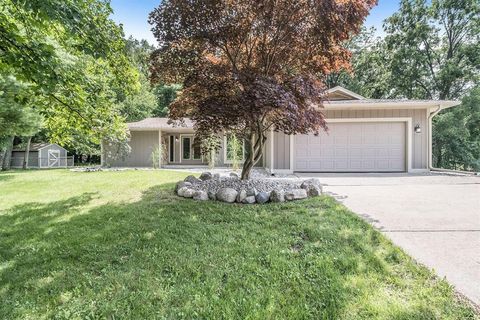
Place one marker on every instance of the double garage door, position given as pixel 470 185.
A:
pixel 353 147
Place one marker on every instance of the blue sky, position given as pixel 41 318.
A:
pixel 133 14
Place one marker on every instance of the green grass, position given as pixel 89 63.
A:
pixel 121 245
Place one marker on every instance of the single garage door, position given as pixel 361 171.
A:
pixel 353 147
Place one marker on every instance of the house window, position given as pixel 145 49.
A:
pixel 197 151
pixel 172 148
pixel 186 148
pixel 190 149
pixel 234 146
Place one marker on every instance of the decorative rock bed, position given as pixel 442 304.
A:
pixel 231 189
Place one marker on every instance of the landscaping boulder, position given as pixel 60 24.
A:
pixel 200 195
pixel 181 191
pixel 192 179
pixel 313 190
pixel 249 200
pixel 262 197
pixel 216 176
pixel 181 184
pixel 310 182
pixel 189 193
pixel 313 187
pixel 227 195
pixel 296 194
pixel 251 192
pixel 241 196
pixel 205 176
pixel 277 196
pixel 211 195
pixel 234 175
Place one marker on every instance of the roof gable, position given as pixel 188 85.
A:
pixel 340 93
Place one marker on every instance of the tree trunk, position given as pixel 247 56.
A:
pixel 8 155
pixel 27 153
pixel 102 155
pixel 257 141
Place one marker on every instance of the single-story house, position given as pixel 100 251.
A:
pixel 365 135
pixel 42 155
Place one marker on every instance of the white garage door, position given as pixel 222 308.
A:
pixel 353 147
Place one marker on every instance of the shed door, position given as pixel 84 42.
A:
pixel 53 158
pixel 353 147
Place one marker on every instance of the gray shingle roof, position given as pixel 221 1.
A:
pixel 33 146
pixel 157 123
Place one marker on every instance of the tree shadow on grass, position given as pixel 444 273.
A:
pixel 163 256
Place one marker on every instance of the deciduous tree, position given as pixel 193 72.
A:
pixel 18 116
pixel 71 54
pixel 251 66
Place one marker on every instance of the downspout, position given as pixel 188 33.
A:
pixel 430 146
pixel 430 140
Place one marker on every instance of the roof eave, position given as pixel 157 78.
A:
pixel 390 105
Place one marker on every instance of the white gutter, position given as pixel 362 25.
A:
pixel 430 140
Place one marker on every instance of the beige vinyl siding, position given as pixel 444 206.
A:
pixel 419 140
pixel 143 143
pixel 281 148
pixel 267 153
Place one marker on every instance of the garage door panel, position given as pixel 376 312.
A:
pixel 355 152
pixel 340 140
pixel 396 153
pixel 329 152
pixel 341 152
pixel 369 152
pixel 302 165
pixel 382 164
pixel 355 164
pixel 341 164
pixel 353 147
pixel 355 139
pixel 328 164
pixel 382 152
pixel 397 164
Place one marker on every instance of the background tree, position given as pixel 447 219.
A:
pixel 71 55
pixel 141 103
pixel 456 136
pixel 251 66
pixel 18 117
pixel 150 100
pixel 435 48
pixel 165 95
pixel 370 74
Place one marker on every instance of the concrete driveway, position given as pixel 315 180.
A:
pixel 433 217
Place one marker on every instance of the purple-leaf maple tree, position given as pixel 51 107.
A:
pixel 252 66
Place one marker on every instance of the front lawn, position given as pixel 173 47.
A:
pixel 121 245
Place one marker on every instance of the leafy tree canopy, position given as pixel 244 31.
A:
pixel 150 100
pixel 71 55
pixel 251 66
pixel 370 73
pixel 435 48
